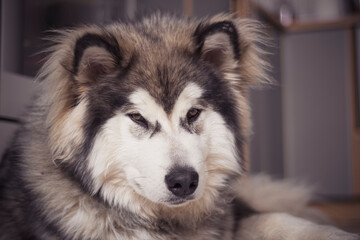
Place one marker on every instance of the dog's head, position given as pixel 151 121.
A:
pixel 154 111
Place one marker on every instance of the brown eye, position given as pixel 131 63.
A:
pixel 192 115
pixel 137 118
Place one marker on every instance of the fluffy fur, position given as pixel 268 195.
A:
pixel 138 133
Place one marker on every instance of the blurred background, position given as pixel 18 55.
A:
pixel 306 126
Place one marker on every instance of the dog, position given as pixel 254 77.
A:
pixel 138 132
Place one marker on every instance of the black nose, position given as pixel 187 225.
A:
pixel 182 181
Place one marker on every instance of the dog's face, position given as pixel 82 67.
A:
pixel 154 113
pixel 168 145
pixel 167 157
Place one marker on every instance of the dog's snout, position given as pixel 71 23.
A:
pixel 182 181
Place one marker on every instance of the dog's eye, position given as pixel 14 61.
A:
pixel 137 118
pixel 192 115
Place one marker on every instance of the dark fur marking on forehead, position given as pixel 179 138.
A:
pixel 108 42
pixel 227 27
pixel 170 87
pixel 151 35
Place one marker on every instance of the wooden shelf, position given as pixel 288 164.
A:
pixel 343 22
pixel 344 214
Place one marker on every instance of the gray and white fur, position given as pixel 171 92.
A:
pixel 138 132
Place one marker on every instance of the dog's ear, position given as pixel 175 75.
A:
pixel 95 56
pixel 218 44
pixel 233 46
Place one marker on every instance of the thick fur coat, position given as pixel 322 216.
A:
pixel 138 132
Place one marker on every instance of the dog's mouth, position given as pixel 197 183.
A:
pixel 175 201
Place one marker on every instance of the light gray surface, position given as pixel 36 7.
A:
pixel 266 142
pixel 16 93
pixel 316 110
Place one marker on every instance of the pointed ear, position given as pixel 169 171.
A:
pixel 235 47
pixel 95 56
pixel 218 44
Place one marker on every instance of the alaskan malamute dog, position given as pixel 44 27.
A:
pixel 138 133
